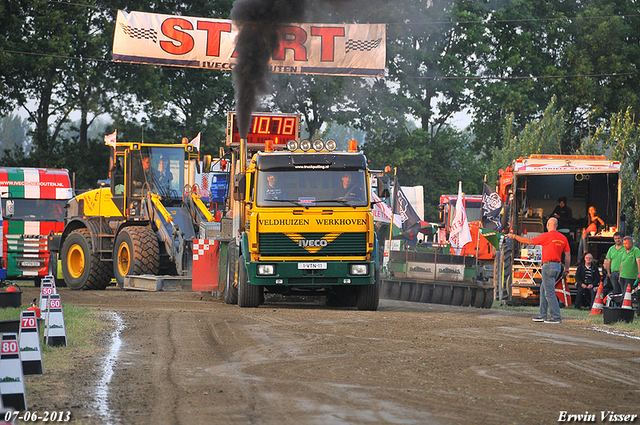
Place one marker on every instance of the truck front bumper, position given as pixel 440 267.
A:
pixel 317 273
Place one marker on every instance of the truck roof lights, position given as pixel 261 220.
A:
pixel 353 146
pixel 318 145
pixel 292 145
pixel 330 145
pixel 305 145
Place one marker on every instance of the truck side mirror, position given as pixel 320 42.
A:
pixel 9 209
pixel 383 188
pixel 239 187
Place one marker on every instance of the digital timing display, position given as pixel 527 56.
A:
pixel 265 126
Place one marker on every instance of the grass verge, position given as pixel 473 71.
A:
pixel 570 313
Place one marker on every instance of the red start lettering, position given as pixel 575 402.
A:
pixel 213 30
pixel 327 40
pixel 292 38
pixel 172 28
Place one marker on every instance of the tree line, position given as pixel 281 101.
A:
pixel 559 73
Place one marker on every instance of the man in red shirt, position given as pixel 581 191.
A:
pixel 554 245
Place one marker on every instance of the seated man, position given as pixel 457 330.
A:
pixel 348 189
pixel 587 280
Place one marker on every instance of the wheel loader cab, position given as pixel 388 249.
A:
pixel 163 170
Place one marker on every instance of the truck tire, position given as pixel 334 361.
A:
pixel 231 283
pixel 458 296
pixel 248 294
pixel 82 269
pixel 135 252
pixel 368 297
pixel 416 295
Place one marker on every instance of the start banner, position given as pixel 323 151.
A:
pixel 324 49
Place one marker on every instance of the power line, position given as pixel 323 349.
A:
pixel 457 77
pixel 447 22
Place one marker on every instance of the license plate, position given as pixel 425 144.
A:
pixel 31 263
pixel 312 266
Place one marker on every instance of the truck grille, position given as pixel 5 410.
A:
pixel 281 245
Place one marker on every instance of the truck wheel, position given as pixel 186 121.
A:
pixel 458 295
pixel 416 295
pixel 82 269
pixel 368 296
pixel 135 252
pixel 478 299
pixel 231 284
pixel 248 294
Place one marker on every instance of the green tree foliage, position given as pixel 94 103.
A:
pixel 591 47
pixel 541 136
pixel 13 132
pixel 436 162
pixel 622 135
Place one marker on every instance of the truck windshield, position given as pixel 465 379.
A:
pixel 311 188
pixel 36 209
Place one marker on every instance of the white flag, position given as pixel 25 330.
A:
pixel 459 235
pixel 110 139
pixel 381 212
pixel 196 142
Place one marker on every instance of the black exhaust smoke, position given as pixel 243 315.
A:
pixel 257 40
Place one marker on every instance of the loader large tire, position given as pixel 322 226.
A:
pixel 248 294
pixel 135 252
pixel 231 283
pixel 82 269
pixel 368 296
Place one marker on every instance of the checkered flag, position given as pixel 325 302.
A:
pixel 140 33
pixel 362 45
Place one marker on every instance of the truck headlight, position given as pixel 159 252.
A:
pixel 359 269
pixel 266 269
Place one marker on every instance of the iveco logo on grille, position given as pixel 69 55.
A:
pixel 312 242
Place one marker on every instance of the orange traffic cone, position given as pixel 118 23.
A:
pixel 597 304
pixel 626 302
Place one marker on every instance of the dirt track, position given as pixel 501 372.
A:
pixel 188 359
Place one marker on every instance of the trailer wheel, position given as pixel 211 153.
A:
pixel 394 290
pixel 417 292
pixel 478 299
pixel 488 298
pixel 135 252
pixel 368 297
pixel 405 291
pixel 468 296
pixel 82 269
pixel 436 298
pixel 248 294
pixel 446 295
pixel 425 295
pixel 458 295
pixel 231 283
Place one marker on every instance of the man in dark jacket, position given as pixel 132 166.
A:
pixel 587 280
